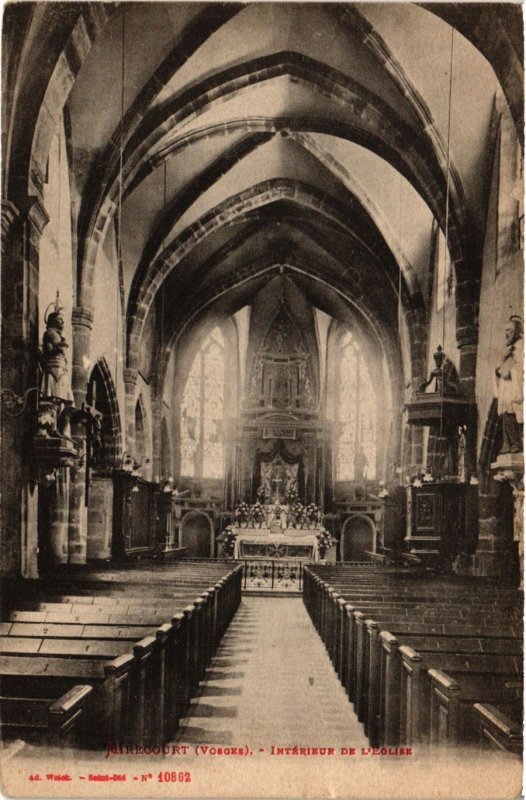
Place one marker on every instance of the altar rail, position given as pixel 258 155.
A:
pixel 272 575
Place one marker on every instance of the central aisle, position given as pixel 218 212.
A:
pixel 272 683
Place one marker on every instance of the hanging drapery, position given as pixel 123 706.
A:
pixel 265 457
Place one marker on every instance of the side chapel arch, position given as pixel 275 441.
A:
pixel 358 537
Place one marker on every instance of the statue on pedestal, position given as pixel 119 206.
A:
pixel 53 357
pixel 55 391
pixel 509 388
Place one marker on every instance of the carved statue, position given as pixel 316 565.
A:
pixel 509 388
pixel 53 358
pixel 444 374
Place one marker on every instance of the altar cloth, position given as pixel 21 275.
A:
pixel 299 543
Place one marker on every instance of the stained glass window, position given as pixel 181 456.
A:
pixel 355 411
pixel 202 412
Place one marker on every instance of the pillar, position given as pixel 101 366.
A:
pixel 82 322
pixel 130 385
pixel 156 410
pixel 22 224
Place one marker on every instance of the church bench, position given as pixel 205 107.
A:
pixel 100 624
pixel 89 648
pixel 385 670
pixel 146 695
pixel 497 730
pixel 359 652
pixel 45 719
pixel 483 678
pixel 332 625
pixel 105 712
pixel 85 618
pixel 338 630
pixel 200 623
pixel 360 638
pixel 72 639
pixel 227 589
pixel 329 616
pixel 67 630
pixel 321 606
pixel 355 656
pixel 95 610
pixel 454 692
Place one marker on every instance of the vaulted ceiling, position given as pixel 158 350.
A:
pixel 328 141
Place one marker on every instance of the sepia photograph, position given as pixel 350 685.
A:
pixel 261 389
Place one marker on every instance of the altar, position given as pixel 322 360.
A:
pixel 297 543
pixel 276 531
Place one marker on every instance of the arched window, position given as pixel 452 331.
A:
pixel 202 412
pixel 355 411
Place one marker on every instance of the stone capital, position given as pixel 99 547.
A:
pixel 467 336
pixel 82 316
pixel 10 214
pixel 130 379
pixel 32 208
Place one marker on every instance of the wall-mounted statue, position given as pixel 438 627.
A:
pixel 53 359
pixel 509 388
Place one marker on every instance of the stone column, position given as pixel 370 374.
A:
pixel 467 339
pixel 100 517
pixel 130 385
pixel 82 322
pixel 23 223
pixel 57 550
pixel 509 467
pixel 157 411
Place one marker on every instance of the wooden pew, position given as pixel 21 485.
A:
pixel 386 617
pixel 329 611
pixel 455 688
pixel 385 671
pixel 497 730
pixel 84 629
pixel 105 716
pixel 46 720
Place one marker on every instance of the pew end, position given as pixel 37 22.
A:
pixel 45 720
pixel 497 730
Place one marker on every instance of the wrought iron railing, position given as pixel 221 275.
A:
pixel 277 575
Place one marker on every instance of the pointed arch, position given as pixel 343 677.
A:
pixel 102 392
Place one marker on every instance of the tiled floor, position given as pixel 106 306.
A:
pixel 271 682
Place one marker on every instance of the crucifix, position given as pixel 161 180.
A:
pixel 277 495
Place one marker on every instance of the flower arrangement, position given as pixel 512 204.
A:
pixel 292 497
pixel 257 513
pixel 261 494
pixel 312 513
pixel 297 513
pixel 229 542
pixel 324 541
pixel 242 512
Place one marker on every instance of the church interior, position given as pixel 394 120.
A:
pixel 262 375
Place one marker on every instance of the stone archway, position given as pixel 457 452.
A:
pixel 358 537
pixel 196 533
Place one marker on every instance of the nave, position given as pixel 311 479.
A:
pixel 263 688
pixel 262 338
pixel 270 688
